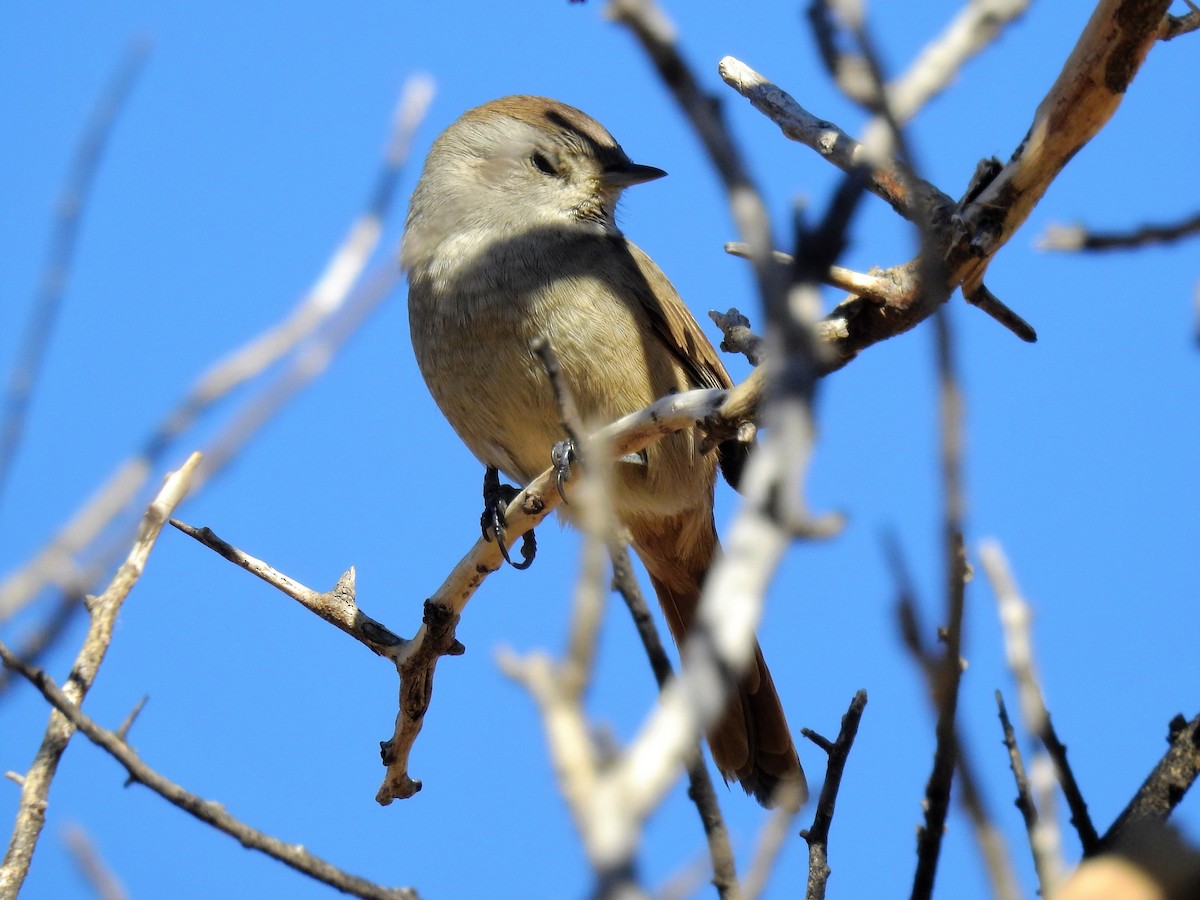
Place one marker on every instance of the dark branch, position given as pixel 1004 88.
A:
pixel 817 835
pixel 1077 237
pixel 1080 817
pixel 1024 801
pixel 1166 786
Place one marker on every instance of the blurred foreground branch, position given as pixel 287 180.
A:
pixel 89 154
pixel 64 561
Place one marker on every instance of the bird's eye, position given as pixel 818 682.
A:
pixel 543 164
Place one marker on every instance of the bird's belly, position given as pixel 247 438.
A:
pixel 494 390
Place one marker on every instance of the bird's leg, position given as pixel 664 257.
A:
pixel 496 497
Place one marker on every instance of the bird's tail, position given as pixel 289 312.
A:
pixel 751 740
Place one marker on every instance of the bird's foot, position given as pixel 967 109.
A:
pixel 496 497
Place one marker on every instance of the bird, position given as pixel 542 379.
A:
pixel 511 236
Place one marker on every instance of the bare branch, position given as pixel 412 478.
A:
pixel 977 25
pixel 948 675
pixel 992 305
pixel 436 636
pixel 885 179
pixel 1015 616
pixel 104 884
pixel 414 660
pixel 1106 57
pixel 937 789
pixel 35 788
pixel 207 811
pixel 988 836
pixel 1091 86
pixel 336 606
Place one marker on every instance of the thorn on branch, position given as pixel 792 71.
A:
pixel 983 299
pixel 123 729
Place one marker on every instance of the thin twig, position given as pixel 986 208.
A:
pixel 127 722
pixel 209 812
pixel 909 196
pixel 61 254
pixel 1016 618
pixel 988 836
pixel 817 835
pixel 336 606
pixel 949 676
pixel 100 878
pixel 1077 237
pixel 1045 858
pixel 1080 817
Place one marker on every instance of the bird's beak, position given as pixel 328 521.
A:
pixel 628 174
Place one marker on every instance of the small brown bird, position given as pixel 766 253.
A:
pixel 511 236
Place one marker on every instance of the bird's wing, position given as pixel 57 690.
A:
pixel 674 323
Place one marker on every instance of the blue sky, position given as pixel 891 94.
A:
pixel 248 146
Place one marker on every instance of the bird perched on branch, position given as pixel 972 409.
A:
pixel 511 237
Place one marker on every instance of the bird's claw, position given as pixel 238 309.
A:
pixel 496 497
pixel 562 455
